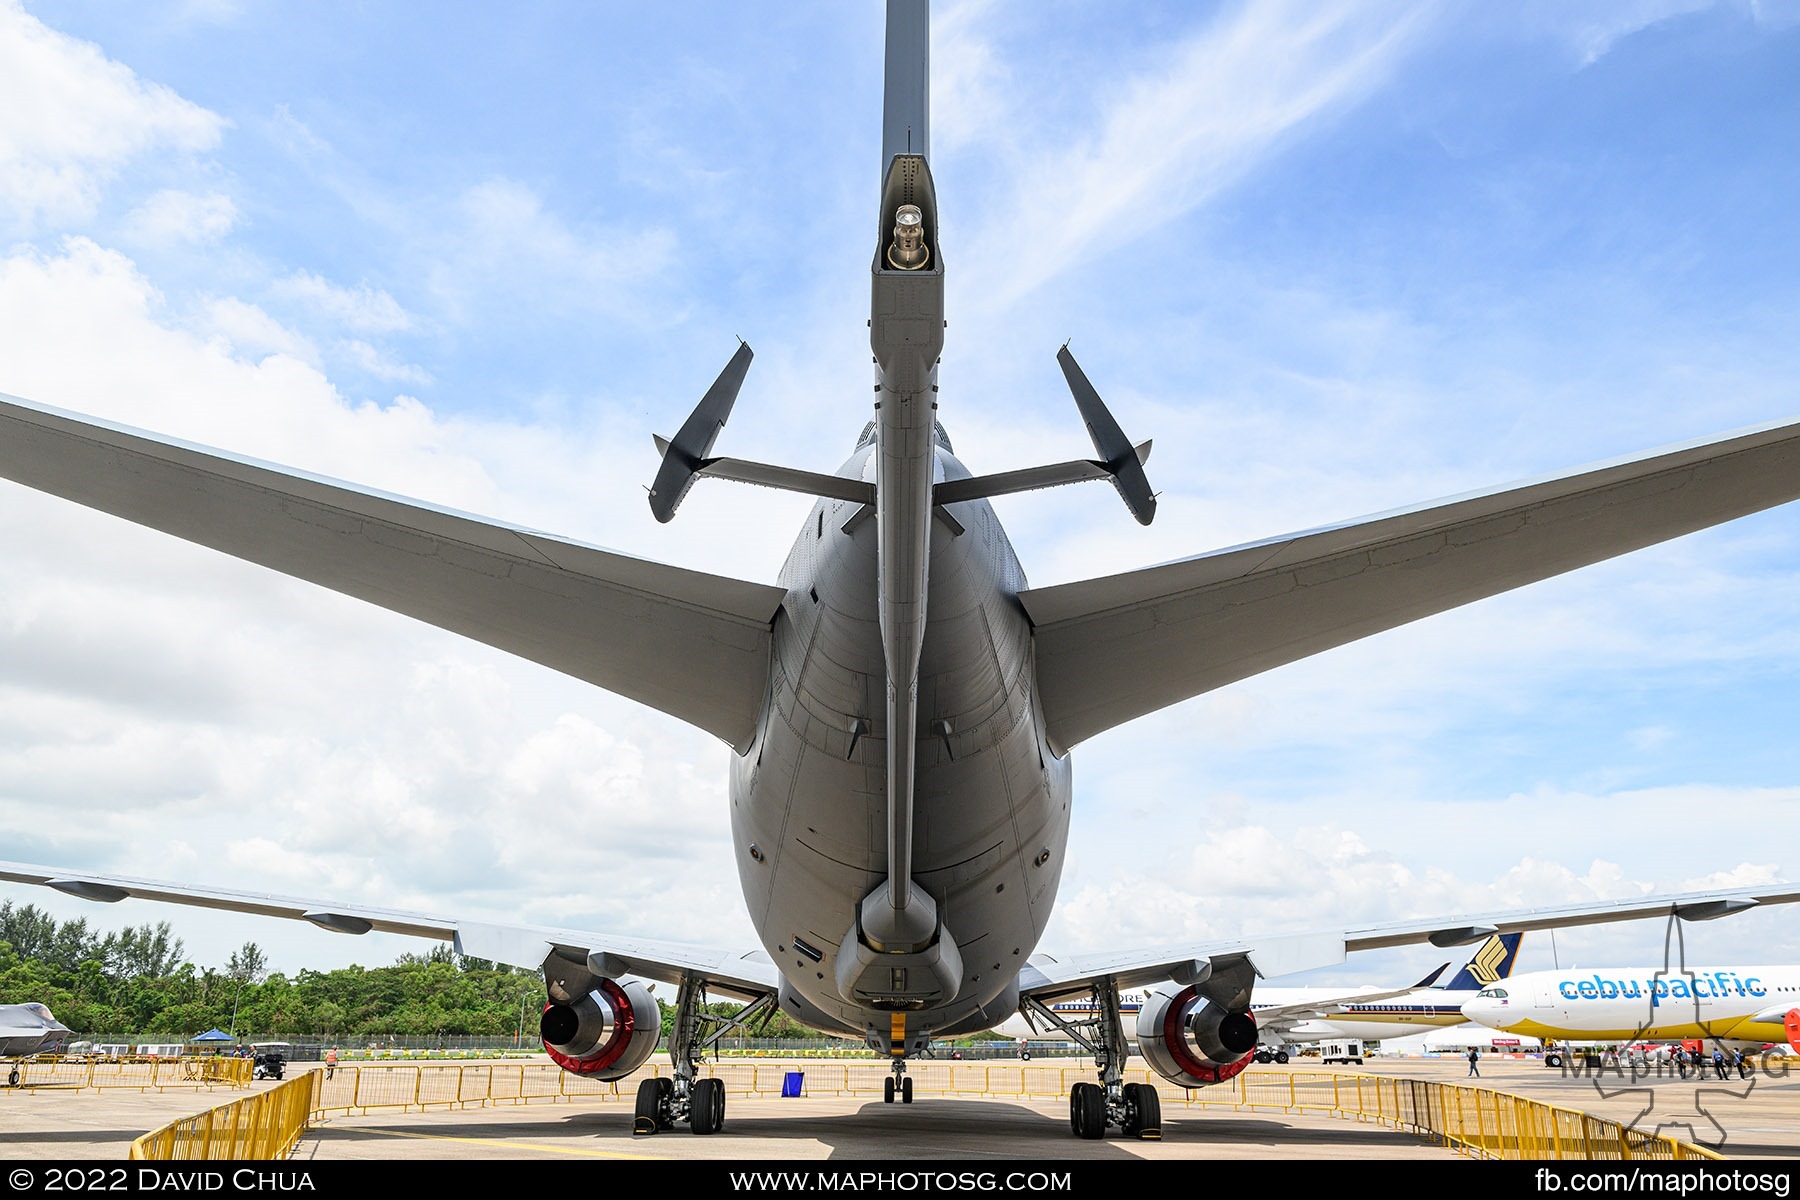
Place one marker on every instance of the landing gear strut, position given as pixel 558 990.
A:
pixel 663 1103
pixel 898 1083
pixel 1134 1107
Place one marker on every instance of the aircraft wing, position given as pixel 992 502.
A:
pixel 1115 648
pixel 1047 978
pixel 692 645
pixel 742 972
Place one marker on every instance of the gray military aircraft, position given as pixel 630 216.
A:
pixel 27 1029
pixel 901 704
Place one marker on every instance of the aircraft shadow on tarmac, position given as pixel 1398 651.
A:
pixel 933 1129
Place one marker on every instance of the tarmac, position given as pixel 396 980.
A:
pixel 1756 1118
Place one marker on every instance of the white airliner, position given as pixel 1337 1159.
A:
pixel 900 704
pixel 1745 1007
pixel 1296 1017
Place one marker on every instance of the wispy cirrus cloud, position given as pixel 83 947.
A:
pixel 1205 112
pixel 175 217
pixel 362 308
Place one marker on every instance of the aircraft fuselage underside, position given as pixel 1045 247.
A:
pixel 809 797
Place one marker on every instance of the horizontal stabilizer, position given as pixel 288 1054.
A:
pixel 686 455
pixel 1117 455
pixel 693 645
pixel 1112 649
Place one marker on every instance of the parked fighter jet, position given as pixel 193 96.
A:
pixel 27 1029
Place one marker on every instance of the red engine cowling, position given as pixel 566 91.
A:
pixel 1191 1041
pixel 606 1033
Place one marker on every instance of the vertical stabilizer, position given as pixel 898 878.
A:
pixel 1492 962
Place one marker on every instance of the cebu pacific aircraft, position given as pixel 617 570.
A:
pixel 1745 1005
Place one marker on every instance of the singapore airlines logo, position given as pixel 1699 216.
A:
pixel 1486 964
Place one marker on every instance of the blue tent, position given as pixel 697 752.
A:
pixel 212 1035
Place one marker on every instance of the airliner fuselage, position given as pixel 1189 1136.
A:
pixel 809 797
pixel 1741 1003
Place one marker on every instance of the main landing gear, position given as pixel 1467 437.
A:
pixel 1134 1107
pixel 898 1083
pixel 663 1103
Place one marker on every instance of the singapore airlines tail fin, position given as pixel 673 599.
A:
pixel 1493 961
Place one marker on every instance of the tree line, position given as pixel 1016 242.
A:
pixel 138 983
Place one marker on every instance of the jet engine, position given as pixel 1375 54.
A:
pixel 606 1032
pixel 1193 1041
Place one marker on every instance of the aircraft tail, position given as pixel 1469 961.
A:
pixel 1493 961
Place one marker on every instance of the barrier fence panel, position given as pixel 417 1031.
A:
pixel 266 1125
pixel 139 1074
pixel 1477 1120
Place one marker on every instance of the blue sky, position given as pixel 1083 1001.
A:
pixel 1332 258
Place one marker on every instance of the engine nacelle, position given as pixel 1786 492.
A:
pixel 606 1033
pixel 1191 1041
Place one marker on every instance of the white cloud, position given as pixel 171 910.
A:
pixel 150 686
pixel 251 331
pixel 1591 30
pixel 172 216
pixel 380 365
pixel 87 117
pixel 1209 110
pixel 363 309
pixel 502 241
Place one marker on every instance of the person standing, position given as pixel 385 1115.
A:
pixel 330 1062
pixel 1474 1063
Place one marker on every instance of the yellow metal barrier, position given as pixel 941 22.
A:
pixel 266 1125
pixel 142 1074
pixel 1478 1120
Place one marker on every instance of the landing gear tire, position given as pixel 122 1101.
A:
pixel 648 1116
pixel 1281 1056
pixel 12 1077
pixel 1143 1112
pixel 1555 1060
pixel 906 1090
pixel 1263 1056
pixel 1087 1111
pixel 887 1090
pixel 707 1102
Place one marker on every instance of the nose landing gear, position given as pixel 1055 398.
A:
pixel 899 1083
